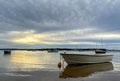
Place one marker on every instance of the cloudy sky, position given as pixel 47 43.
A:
pixel 59 23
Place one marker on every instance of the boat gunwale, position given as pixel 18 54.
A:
pixel 87 54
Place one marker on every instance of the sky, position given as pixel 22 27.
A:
pixel 60 23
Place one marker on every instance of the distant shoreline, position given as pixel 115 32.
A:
pixel 59 49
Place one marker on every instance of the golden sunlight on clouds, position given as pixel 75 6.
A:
pixel 28 37
pixel 33 39
pixel 26 40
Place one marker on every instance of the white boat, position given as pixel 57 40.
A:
pixel 52 51
pixel 75 71
pixel 100 51
pixel 86 58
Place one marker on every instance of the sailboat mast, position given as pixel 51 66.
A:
pixel 102 43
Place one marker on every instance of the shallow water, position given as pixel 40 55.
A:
pixel 42 66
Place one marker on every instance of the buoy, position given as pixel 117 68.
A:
pixel 59 64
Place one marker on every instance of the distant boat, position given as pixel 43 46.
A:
pixel 7 52
pixel 52 51
pixel 100 51
pixel 86 58
pixel 75 71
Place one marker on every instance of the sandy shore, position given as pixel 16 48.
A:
pixel 54 76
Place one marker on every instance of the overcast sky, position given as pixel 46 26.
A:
pixel 59 23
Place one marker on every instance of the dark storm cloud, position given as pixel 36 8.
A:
pixel 53 15
pixel 110 17
pixel 45 15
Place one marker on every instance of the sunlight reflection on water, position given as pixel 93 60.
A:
pixel 27 60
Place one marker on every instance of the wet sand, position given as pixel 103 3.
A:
pixel 54 76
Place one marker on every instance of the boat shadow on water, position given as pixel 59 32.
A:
pixel 84 70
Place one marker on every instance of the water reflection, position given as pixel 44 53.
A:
pixel 29 61
pixel 75 71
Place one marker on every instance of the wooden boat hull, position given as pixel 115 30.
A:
pixel 86 59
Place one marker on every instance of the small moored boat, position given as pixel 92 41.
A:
pixel 100 51
pixel 86 58
pixel 52 51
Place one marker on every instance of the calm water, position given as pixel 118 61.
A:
pixel 42 66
